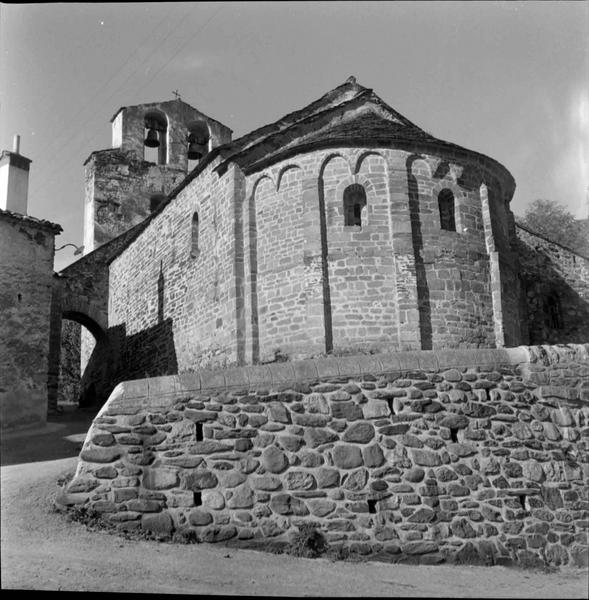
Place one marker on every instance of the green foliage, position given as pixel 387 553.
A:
pixel 308 542
pixel 552 220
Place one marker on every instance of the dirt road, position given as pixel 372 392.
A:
pixel 41 550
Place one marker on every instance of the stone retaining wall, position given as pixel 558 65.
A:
pixel 469 456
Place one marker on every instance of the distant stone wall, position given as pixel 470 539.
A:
pixel 473 456
pixel 556 290
pixel 26 274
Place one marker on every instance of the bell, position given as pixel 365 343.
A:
pixel 195 151
pixel 152 141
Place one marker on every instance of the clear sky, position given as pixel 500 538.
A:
pixel 508 79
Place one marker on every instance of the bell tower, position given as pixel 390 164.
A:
pixel 154 146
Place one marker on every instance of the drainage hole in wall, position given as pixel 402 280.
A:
pixel 199 436
pixel 454 434
pixel 522 500
pixel 372 507
pixel 197 498
pixel 391 406
pixel 19 296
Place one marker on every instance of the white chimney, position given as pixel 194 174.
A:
pixel 14 179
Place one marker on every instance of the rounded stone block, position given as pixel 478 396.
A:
pixel 274 460
pixel 199 518
pixel 346 456
pixel 160 478
pixel 200 480
pixel 359 432
pixel 213 499
pixel 373 456
pixel 285 504
pixel 299 480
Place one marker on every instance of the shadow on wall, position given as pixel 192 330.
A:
pixel 118 357
pixel 557 313
pixel 423 297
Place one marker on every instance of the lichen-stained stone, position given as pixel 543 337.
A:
pixel 452 375
pixel 422 515
pixel 373 456
pixel 346 410
pixel 124 494
pixel 415 474
pixel 359 432
pixel 108 472
pixel 185 462
pixel 375 409
pixel 160 524
pixel 347 456
pixel 410 441
pixel 160 478
pixel 396 429
pixel 477 410
pixel 285 504
pixel 198 518
pixel 79 484
pixel 327 478
pixel 316 403
pixel 425 458
pixel 310 460
pixel 512 469
pixel 266 483
pixel 562 416
pixel 552 497
pixel 248 465
pixel 200 416
pixel 130 439
pixel 98 454
pixel 454 421
pixel 522 431
pixel 230 479
pixel 200 480
pixel 291 443
pixel 242 497
pixel 274 460
pixel 356 480
pixel 533 471
pixel 209 447
pixel 320 507
pixel 144 505
pixel 462 450
pixel 461 528
pixel 299 480
pixel 540 412
pixel 213 499
pixel 278 412
pixel 444 474
pixel 310 420
pixel 103 439
pixel 316 437
pixel 217 533
pixel 419 547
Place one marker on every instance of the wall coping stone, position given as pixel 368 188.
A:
pixel 157 391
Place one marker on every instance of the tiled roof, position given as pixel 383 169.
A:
pixel 28 220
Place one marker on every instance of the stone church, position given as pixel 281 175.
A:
pixel 341 228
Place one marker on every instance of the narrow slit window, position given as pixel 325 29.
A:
pixel 194 250
pixel 199 434
pixel 354 202
pixel 446 205
pixel 553 312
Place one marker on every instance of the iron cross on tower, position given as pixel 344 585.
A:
pixel 177 94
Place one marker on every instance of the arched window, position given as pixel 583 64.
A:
pixel 194 250
pixel 354 202
pixel 446 206
pixel 155 201
pixel 156 138
pixel 553 312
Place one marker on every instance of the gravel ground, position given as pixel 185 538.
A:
pixel 42 550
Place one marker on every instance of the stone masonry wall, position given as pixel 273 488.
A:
pixel 27 249
pixel 551 270
pixel 475 456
